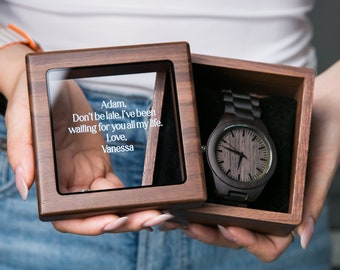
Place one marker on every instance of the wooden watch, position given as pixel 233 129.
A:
pixel 240 151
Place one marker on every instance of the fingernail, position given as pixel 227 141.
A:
pixel 116 224
pixel 307 233
pixel 21 183
pixel 226 234
pixel 158 220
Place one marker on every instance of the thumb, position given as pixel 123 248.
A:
pixel 19 137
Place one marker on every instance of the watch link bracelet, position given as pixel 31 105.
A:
pixel 240 151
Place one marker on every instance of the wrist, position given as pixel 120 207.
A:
pixel 12 65
pixel 14 45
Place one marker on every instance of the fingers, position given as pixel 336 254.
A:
pixel 266 247
pixel 108 182
pixel 306 228
pixel 323 158
pixel 97 225
pixel 205 234
pixel 87 226
pixel 210 235
pixel 19 137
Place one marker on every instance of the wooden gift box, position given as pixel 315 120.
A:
pixel 184 96
pixel 288 109
pixel 173 85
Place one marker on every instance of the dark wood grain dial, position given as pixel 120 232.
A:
pixel 243 154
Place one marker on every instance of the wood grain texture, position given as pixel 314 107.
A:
pixel 263 79
pixel 152 141
pixel 129 60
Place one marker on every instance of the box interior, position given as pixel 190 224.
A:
pixel 280 112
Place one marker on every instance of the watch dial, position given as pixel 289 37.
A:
pixel 243 154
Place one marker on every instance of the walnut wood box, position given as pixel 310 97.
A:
pixel 171 63
pixel 283 82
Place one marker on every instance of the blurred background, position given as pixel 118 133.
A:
pixel 326 20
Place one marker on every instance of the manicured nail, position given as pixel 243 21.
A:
pixel 226 234
pixel 21 183
pixel 307 233
pixel 116 224
pixel 158 220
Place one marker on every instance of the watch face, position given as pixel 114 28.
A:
pixel 242 154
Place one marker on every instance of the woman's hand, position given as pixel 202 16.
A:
pixel 13 84
pixel 81 162
pixel 323 161
pixel 82 165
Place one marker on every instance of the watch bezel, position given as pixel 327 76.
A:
pixel 258 127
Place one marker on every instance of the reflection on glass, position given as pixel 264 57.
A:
pixel 106 127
